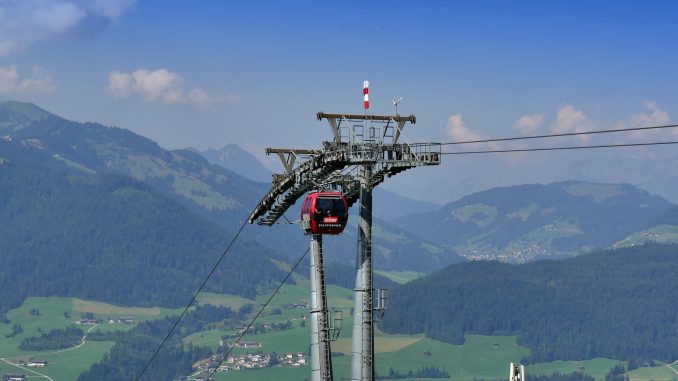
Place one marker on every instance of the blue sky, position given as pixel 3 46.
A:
pixel 210 73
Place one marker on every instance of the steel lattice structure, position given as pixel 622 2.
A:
pixel 354 144
pixel 364 152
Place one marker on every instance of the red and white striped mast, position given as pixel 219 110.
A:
pixel 366 98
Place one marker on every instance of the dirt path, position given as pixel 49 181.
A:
pixel 26 369
pixel 82 342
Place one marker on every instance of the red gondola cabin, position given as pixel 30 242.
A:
pixel 324 213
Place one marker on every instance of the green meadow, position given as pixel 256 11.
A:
pixel 484 357
pixel 661 372
pixel 59 313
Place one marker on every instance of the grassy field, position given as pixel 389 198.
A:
pixel 597 367
pixel 59 312
pixel 337 297
pixel 54 311
pixel 232 301
pixel 480 214
pixel 485 357
pixel 104 310
pixel 399 276
pixel 480 357
pixel 6 368
pixel 381 343
pixel 67 365
pixel 277 374
pixel 662 372
pixel 662 234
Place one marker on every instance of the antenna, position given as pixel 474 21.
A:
pixel 396 102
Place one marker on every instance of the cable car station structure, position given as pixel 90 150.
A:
pixel 365 150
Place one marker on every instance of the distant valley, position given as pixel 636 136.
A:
pixel 527 222
pixel 512 224
pixel 34 136
pixel 102 215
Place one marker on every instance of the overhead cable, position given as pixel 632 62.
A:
pixel 263 307
pixel 176 323
pixel 559 135
pixel 559 148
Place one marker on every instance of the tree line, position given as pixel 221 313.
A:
pixel 112 238
pixel 54 339
pixel 423 372
pixel 612 304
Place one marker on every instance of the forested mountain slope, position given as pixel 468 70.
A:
pixel 112 238
pixel 616 304
pixel 29 133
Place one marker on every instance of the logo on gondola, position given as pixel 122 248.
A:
pixel 330 220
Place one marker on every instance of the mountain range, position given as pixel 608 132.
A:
pixel 82 204
pixel 525 222
pixel 212 191
pixel 236 159
pixel 112 238
pixel 104 214
pixel 517 224
pixel 52 168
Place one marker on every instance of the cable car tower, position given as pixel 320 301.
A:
pixel 365 150
pixel 516 372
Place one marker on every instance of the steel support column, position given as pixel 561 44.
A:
pixel 362 363
pixel 321 362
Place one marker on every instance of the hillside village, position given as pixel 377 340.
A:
pixel 218 363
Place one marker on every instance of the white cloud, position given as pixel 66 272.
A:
pixel 569 119
pixel 527 124
pixel 161 85
pixel 25 21
pixel 119 84
pixel 40 82
pixel 57 17
pixel 200 97
pixel 656 116
pixel 8 79
pixel 158 84
pixel 457 130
